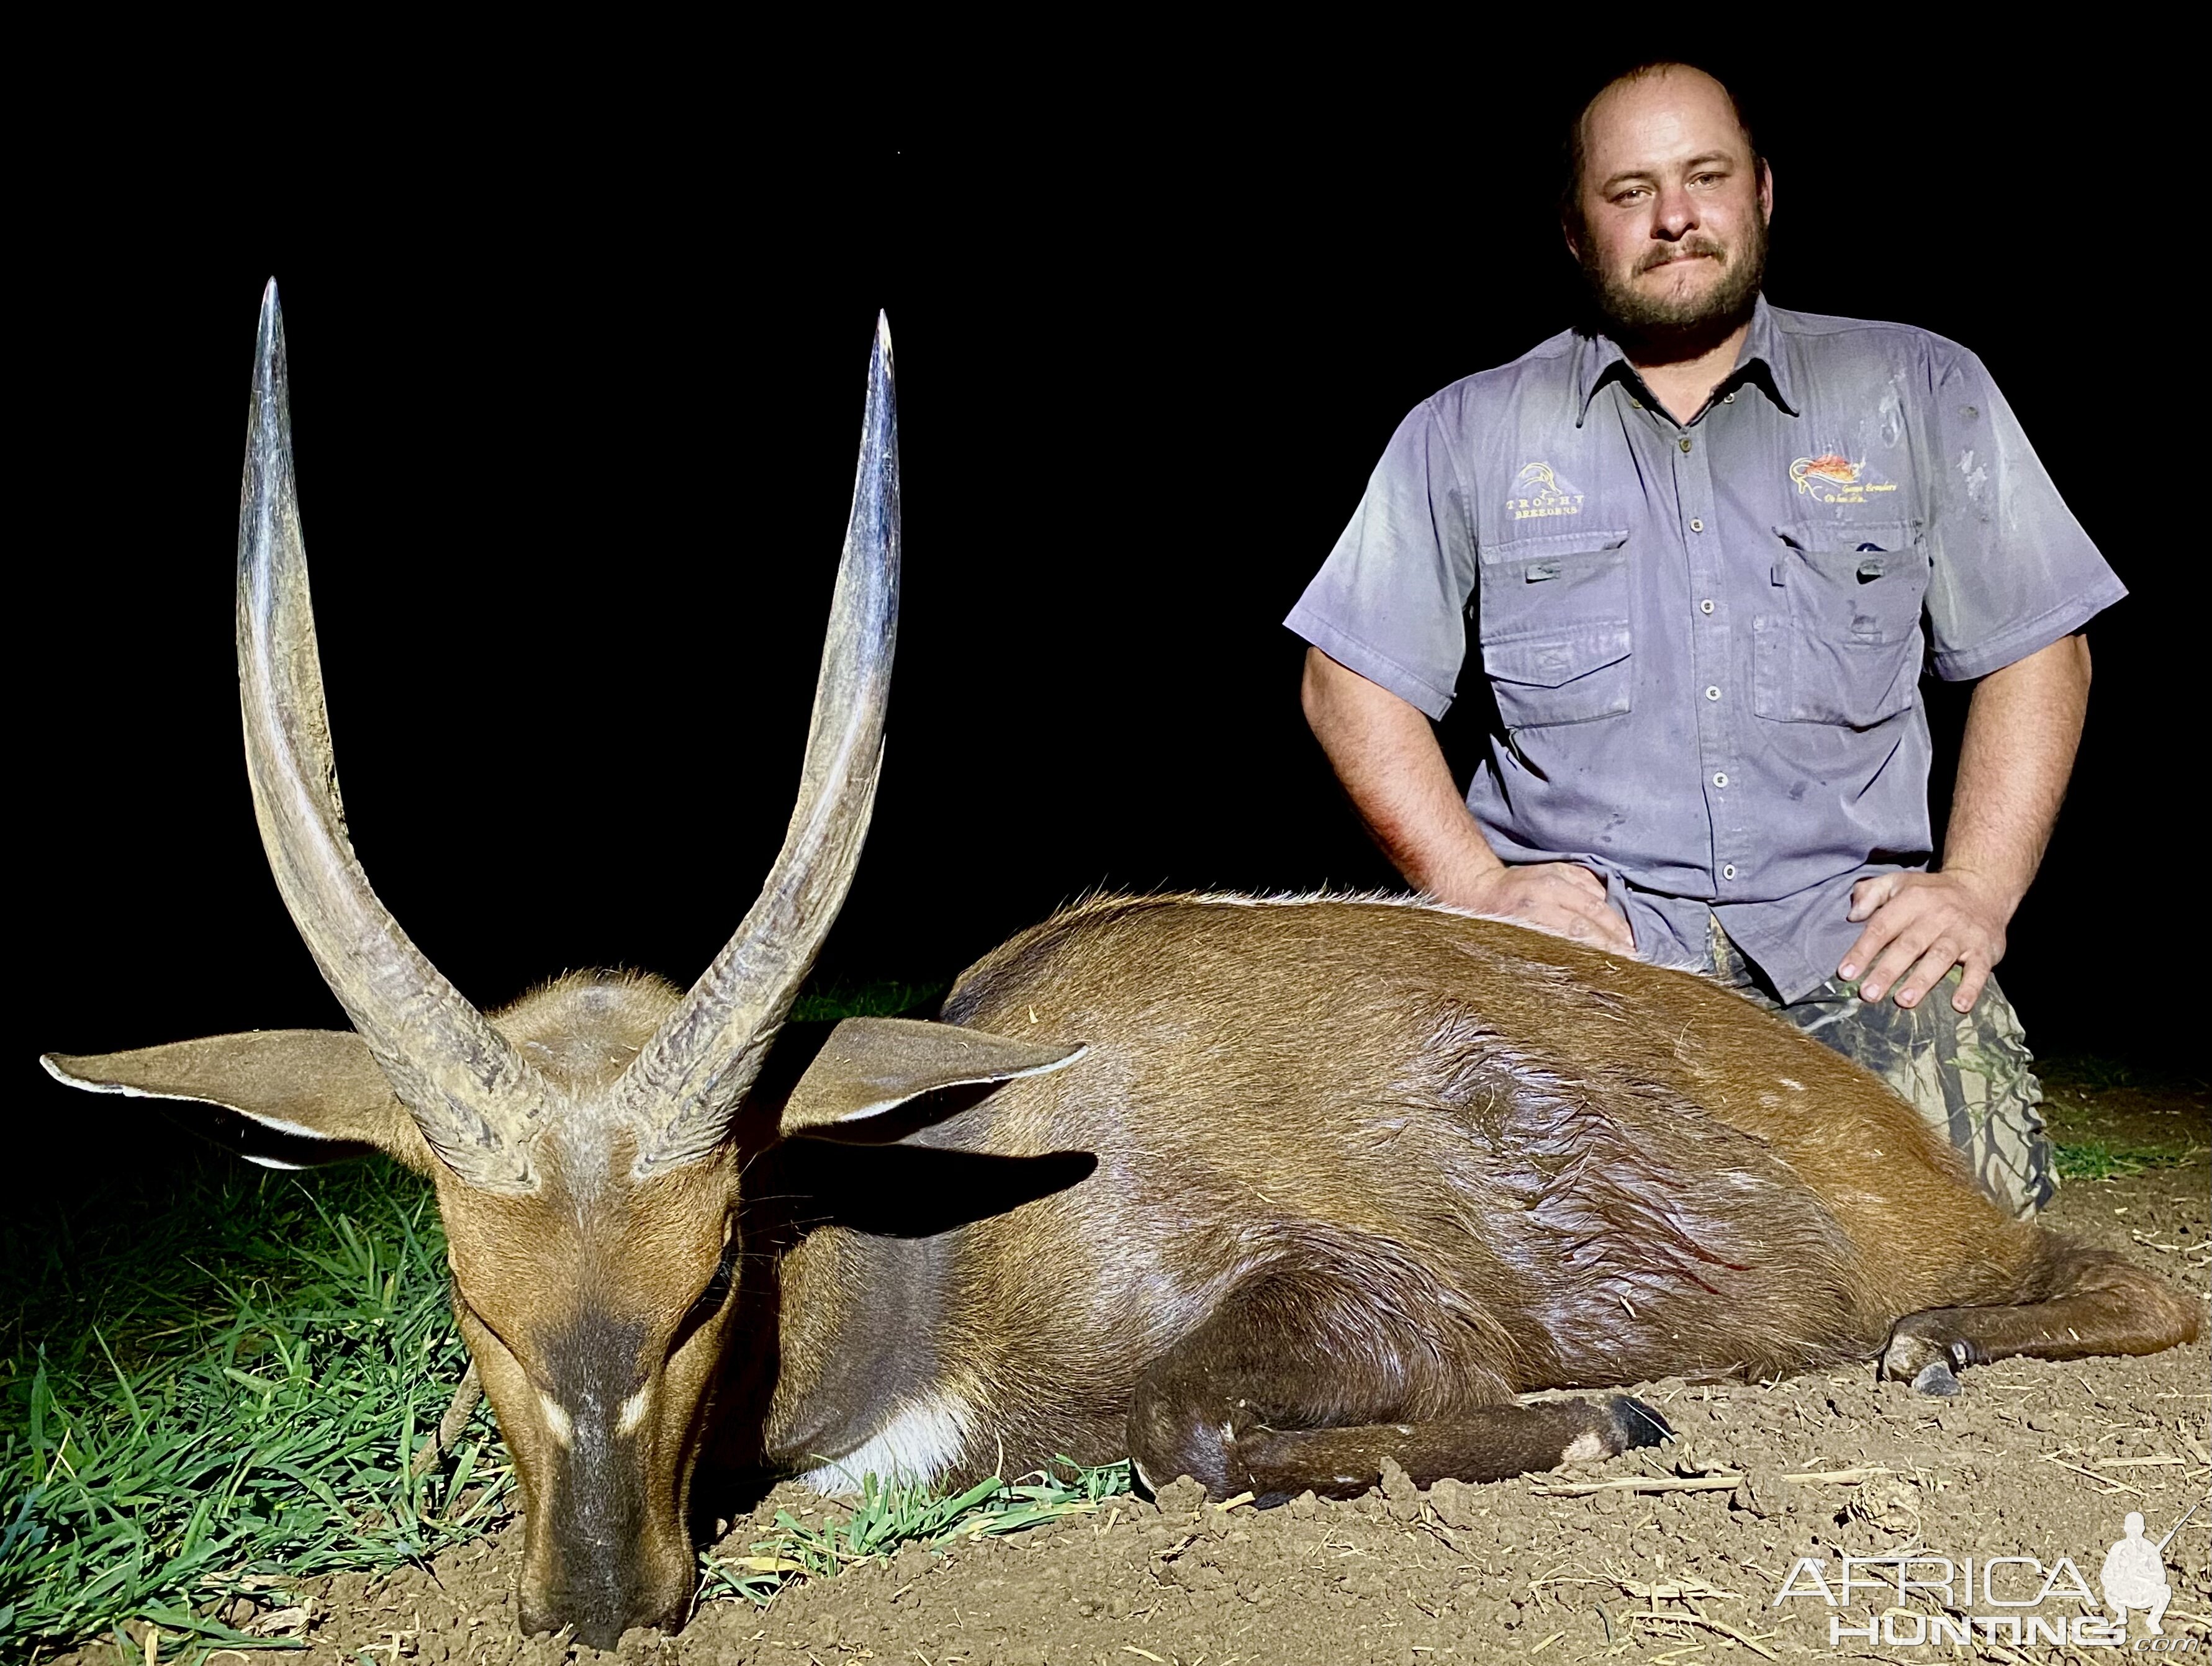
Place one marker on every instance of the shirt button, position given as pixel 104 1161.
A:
pixel 1712 694
pixel 1720 781
pixel 1729 399
pixel 1704 607
pixel 1729 873
pixel 1685 445
pixel 1697 526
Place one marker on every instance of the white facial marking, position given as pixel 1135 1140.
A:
pixel 632 1412
pixel 557 1420
pixel 919 1442
pixel 1584 1447
pixel 1794 1086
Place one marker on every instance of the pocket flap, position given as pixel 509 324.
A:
pixel 1548 662
pixel 1862 538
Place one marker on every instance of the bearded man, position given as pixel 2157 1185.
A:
pixel 1695 543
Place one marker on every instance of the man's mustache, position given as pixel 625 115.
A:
pixel 1689 245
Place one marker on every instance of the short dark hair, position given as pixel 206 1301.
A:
pixel 1571 151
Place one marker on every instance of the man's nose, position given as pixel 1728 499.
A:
pixel 1674 214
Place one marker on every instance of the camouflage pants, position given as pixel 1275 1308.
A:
pixel 1969 1074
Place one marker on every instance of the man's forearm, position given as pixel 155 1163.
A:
pixel 2022 729
pixel 1385 755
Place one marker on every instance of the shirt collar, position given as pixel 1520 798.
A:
pixel 1762 362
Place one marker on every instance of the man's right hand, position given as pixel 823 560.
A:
pixel 1553 896
pixel 1385 753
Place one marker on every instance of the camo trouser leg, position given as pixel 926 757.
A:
pixel 1970 1074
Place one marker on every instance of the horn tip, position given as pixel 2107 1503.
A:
pixel 883 333
pixel 270 336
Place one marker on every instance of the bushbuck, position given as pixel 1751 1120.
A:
pixel 1263 1190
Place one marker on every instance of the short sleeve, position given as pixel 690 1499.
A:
pixel 2011 569
pixel 1390 601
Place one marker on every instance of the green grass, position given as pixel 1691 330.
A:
pixel 2099 1160
pixel 884 1519
pixel 881 997
pixel 223 1398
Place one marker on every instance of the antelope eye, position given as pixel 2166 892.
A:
pixel 710 1299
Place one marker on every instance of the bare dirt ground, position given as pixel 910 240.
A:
pixel 2036 1460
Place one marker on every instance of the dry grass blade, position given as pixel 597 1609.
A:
pixel 2104 1481
pixel 1719 1480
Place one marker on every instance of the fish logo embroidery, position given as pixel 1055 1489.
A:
pixel 1832 477
pixel 1810 472
pixel 1537 491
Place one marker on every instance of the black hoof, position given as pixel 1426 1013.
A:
pixel 1636 1424
pixel 1936 1378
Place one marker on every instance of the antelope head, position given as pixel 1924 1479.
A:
pixel 579 1141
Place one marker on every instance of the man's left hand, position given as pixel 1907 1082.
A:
pixel 1918 926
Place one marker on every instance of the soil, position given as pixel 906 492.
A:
pixel 2035 1460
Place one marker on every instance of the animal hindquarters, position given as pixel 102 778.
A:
pixel 1301 1380
pixel 2086 1302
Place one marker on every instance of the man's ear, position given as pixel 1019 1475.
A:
pixel 872 1065
pixel 284 1098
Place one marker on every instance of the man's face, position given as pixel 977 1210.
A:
pixel 1674 212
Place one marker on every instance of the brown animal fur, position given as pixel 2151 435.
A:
pixel 1521 1164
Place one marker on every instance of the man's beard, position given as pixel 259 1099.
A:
pixel 1628 311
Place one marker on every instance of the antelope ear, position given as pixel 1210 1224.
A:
pixel 284 1098
pixel 870 1065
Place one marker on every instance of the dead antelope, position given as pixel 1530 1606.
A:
pixel 1263 1190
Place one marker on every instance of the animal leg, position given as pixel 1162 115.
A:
pixel 1287 1389
pixel 2089 1302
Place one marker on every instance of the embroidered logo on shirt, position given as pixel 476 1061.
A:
pixel 1832 477
pixel 1538 492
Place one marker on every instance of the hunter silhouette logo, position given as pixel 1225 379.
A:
pixel 1832 478
pixel 2134 1577
pixel 1537 491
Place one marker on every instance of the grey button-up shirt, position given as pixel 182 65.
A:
pixel 1705 640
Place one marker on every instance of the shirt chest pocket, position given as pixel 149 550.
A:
pixel 1837 639
pixel 1552 622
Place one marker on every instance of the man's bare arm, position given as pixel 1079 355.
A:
pixel 2022 727
pixel 1385 753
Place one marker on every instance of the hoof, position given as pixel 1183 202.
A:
pixel 1921 1342
pixel 1936 1378
pixel 1636 1424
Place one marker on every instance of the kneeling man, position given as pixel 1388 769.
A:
pixel 1695 541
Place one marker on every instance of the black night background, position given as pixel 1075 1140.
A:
pixel 575 409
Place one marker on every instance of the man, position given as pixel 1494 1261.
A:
pixel 1694 543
